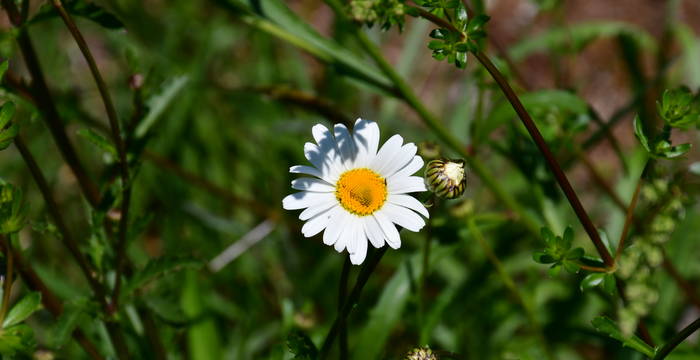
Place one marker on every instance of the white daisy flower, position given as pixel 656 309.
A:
pixel 357 193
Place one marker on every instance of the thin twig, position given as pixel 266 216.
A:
pixel 116 137
pixel 677 340
pixel 629 216
pixel 46 105
pixel 561 178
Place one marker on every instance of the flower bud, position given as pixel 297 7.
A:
pixel 446 178
pixel 421 353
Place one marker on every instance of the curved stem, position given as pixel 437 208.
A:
pixel 629 216
pixel 677 340
pixel 557 171
pixel 367 269
pixel 116 137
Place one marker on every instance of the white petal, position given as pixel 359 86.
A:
pixel 405 185
pixel 347 235
pixel 408 201
pixel 316 224
pixel 326 143
pixel 386 153
pixel 308 170
pixel 410 169
pixel 360 253
pixel 373 231
pixel 403 217
pixel 401 159
pixel 316 209
pixel 338 219
pixel 311 184
pixel 366 139
pixel 346 146
pixel 305 199
pixel 390 233
pixel 323 160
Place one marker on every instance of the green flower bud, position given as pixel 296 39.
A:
pixel 422 353
pixel 446 178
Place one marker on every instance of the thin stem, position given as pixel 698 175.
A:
pixel 70 242
pixel 561 178
pixel 629 216
pixel 7 282
pixel 46 105
pixel 342 294
pixel 367 269
pixel 593 268
pixel 116 137
pixel 677 340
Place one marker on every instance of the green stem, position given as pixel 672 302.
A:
pixel 367 269
pixel 677 340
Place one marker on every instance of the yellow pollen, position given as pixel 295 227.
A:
pixel 361 191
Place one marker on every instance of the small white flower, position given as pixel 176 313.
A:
pixel 358 193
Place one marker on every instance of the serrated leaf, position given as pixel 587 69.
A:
pixel 99 141
pixel 82 8
pixel 592 280
pixel 155 269
pixel 23 309
pixel 604 325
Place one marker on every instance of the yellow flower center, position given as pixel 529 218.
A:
pixel 361 191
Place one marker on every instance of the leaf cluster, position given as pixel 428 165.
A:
pixel 559 252
pixel 16 337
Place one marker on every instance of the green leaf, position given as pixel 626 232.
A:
pixel 639 133
pixel 605 325
pixel 301 345
pixel 592 280
pixel 575 254
pixel 73 314
pixel 16 339
pixel 576 37
pixel 159 102
pixel 99 141
pixel 155 269
pixel 676 151
pixel 23 309
pixel 275 18
pixel 571 266
pixel 610 284
pixel 82 8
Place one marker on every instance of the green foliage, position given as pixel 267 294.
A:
pixel 16 337
pixel 679 108
pixel 83 8
pixel 605 281
pixel 157 268
pixel 609 328
pixel 8 129
pixel 559 252
pixel 12 209
pixel 385 12
pixel 660 146
pixel 454 43
pixel 301 346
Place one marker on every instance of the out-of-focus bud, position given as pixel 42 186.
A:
pixel 446 178
pixel 421 353
pixel 136 81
